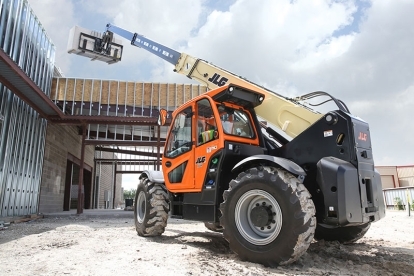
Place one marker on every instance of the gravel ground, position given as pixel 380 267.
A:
pixel 106 243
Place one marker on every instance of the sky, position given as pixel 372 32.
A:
pixel 359 51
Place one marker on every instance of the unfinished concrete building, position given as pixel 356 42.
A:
pixel 63 139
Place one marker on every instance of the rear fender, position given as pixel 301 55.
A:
pixel 272 161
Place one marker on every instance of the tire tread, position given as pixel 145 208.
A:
pixel 156 217
pixel 305 215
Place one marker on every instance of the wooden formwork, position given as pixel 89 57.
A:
pixel 122 93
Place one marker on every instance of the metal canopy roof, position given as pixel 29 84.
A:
pixel 99 119
pixel 15 79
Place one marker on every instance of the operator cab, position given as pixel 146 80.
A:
pixel 208 136
pixel 201 128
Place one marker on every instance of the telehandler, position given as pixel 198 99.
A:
pixel 269 172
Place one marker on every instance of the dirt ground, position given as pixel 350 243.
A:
pixel 105 243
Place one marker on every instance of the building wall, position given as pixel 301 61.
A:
pixel 389 176
pixel 396 176
pixel 406 175
pixel 60 140
pixel 22 131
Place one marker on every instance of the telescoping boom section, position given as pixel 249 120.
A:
pixel 285 114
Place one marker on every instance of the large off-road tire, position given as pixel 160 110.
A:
pixel 344 235
pixel 215 227
pixel 268 216
pixel 151 208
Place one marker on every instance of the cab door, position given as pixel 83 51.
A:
pixel 178 159
pixel 207 141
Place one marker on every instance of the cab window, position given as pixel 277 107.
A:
pixel 179 140
pixel 206 123
pixel 235 122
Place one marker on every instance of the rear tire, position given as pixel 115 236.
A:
pixel 268 216
pixel 151 208
pixel 343 235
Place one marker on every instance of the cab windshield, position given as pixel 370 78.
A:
pixel 179 140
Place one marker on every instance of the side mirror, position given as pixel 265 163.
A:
pixel 162 117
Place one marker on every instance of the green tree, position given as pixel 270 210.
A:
pixel 129 193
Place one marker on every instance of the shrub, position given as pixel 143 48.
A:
pixel 398 203
pixel 129 193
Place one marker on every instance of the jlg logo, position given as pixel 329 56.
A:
pixel 200 161
pixel 362 136
pixel 217 80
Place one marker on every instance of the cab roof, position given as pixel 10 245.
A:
pixel 237 95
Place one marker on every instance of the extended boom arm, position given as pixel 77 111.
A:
pixel 287 115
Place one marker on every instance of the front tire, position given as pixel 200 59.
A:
pixel 151 208
pixel 268 216
pixel 345 235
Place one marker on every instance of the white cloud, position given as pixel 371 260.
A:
pixel 327 51
pixel 163 21
pixel 57 17
pixel 130 181
pixel 293 47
